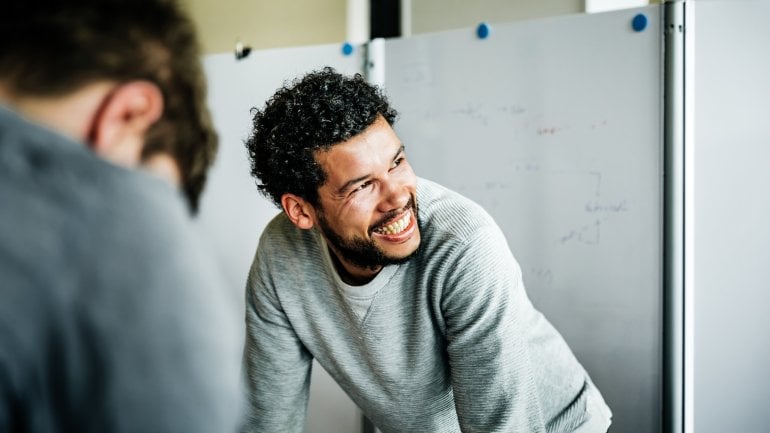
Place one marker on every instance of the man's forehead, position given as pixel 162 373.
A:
pixel 378 138
pixel 355 162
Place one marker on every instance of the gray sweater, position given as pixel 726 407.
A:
pixel 447 342
pixel 112 317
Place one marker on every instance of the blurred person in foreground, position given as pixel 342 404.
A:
pixel 112 317
pixel 404 291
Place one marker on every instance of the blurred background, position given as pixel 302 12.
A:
pixel 263 24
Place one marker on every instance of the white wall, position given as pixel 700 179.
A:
pixel 437 15
pixel 732 213
pixel 267 24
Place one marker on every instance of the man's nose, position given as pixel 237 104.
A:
pixel 395 195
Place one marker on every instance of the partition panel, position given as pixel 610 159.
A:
pixel 554 126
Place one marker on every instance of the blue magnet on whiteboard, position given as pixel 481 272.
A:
pixel 347 49
pixel 639 23
pixel 483 30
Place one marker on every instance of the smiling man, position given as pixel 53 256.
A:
pixel 364 232
pixel 404 291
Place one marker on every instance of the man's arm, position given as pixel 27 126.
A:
pixel 486 310
pixel 276 364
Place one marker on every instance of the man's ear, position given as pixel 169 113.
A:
pixel 120 126
pixel 299 211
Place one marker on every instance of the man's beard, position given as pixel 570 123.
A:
pixel 362 252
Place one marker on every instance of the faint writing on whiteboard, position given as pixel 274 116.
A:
pixel 596 125
pixel 526 166
pixel 595 206
pixel 556 129
pixel 598 176
pixel 478 112
pixel 600 210
pixel 551 130
pixel 513 110
pixel 598 206
pixel 492 185
pixel 589 234
pixel 474 112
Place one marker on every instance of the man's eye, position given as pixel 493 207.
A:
pixel 363 186
pixel 398 162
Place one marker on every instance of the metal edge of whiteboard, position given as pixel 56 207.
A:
pixel 689 221
pixel 674 121
pixel 374 61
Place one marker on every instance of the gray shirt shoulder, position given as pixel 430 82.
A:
pixel 112 315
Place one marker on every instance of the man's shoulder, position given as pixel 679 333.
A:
pixel 43 169
pixel 280 232
pixel 83 238
pixel 70 206
pixel 443 211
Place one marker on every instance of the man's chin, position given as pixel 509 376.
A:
pixel 400 253
pixel 374 261
pixel 403 257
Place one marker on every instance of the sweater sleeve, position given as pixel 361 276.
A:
pixel 486 311
pixel 276 364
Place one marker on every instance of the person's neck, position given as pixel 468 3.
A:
pixel 352 274
pixel 164 166
pixel 69 113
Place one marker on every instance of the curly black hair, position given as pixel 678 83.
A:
pixel 313 113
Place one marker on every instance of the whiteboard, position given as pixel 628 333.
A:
pixel 233 213
pixel 554 126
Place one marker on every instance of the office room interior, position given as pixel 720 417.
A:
pixel 622 146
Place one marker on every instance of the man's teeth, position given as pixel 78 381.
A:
pixel 397 226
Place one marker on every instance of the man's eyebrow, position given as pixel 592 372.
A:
pixel 400 151
pixel 352 182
